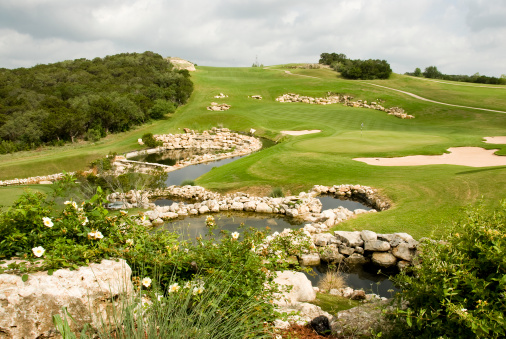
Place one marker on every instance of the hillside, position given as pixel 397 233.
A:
pixel 423 197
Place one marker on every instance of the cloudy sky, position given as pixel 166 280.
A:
pixel 457 36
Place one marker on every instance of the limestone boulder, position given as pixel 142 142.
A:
pixel 301 291
pixel 377 246
pixel 263 208
pixel 310 259
pixel 351 239
pixel 403 252
pixel 87 293
pixel 368 235
pixel 384 259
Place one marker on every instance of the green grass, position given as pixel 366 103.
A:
pixel 423 197
pixel 11 193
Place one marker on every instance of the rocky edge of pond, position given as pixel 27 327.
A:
pixel 352 248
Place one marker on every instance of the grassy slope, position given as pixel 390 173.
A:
pixel 423 197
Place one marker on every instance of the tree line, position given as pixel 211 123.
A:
pixel 356 69
pixel 86 99
pixel 432 72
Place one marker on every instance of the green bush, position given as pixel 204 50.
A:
pixel 160 108
pixel 458 290
pixel 150 141
pixel 188 182
pixel 277 192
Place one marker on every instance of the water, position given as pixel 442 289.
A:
pixel 329 202
pixel 194 226
pixel 364 277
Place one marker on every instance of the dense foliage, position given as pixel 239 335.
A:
pixel 55 103
pixel 35 228
pixel 357 69
pixel 432 72
pixel 458 290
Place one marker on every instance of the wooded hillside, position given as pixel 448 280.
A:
pixel 57 103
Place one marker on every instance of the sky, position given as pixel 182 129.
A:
pixel 456 36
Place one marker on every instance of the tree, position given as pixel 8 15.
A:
pixel 160 108
pixel 432 73
pixel 418 72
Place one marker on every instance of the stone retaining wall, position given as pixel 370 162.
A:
pixel 345 100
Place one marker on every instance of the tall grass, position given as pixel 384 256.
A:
pixel 195 309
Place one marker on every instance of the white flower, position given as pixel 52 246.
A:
pixel 235 235
pixel 98 235
pixel 174 287
pixel 129 242
pixel 464 310
pixel 253 248
pixel 67 202
pixel 143 218
pixel 91 235
pixel 38 251
pixel 146 281
pixel 123 212
pixel 198 290
pixel 187 285
pixel 85 221
pixel 47 222
pixel 269 238
pixel 95 235
pixel 278 253
pixel 186 250
pixel 74 204
pixel 275 234
pixel 159 296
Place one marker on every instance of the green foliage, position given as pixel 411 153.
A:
pixel 161 108
pixel 417 72
pixel 277 192
pixel 188 182
pixel 458 288
pixel 63 326
pixel 86 98
pixel 332 58
pixel 432 72
pixel 150 141
pixel 364 69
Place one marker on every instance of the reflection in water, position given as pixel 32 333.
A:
pixel 329 202
pixel 194 226
pixel 364 277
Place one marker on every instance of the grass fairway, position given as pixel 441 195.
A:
pixel 423 197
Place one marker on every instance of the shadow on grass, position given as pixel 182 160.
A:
pixel 481 170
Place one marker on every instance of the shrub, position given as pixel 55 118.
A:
pixel 150 141
pixel 331 280
pixel 188 182
pixel 160 108
pixel 277 192
pixel 458 289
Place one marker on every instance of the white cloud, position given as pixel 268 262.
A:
pixel 460 37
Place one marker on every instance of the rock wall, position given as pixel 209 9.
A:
pixel 345 100
pixel 27 307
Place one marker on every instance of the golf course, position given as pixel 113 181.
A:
pixel 424 198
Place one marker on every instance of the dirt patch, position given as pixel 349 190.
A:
pixel 495 140
pixel 464 156
pixel 301 132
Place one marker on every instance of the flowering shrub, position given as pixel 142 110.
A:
pixel 459 288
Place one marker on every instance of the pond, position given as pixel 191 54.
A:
pixel 364 277
pixel 329 202
pixel 193 226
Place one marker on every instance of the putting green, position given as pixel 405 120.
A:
pixel 377 142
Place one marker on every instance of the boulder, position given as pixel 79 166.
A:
pixel 237 206
pixel 263 208
pixel 356 259
pixel 377 246
pixel 302 289
pixel 352 239
pixel 310 259
pixel 368 235
pixel 28 307
pixel 322 239
pixel 402 252
pixel 331 254
pixel 384 259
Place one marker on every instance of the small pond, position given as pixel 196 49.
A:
pixel 364 277
pixel 329 202
pixel 193 226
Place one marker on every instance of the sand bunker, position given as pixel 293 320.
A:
pixel 464 156
pixel 301 132
pixel 495 140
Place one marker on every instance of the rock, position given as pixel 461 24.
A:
pixel 359 321
pixel 28 307
pixel 368 235
pixel 237 206
pixel 322 239
pixel 351 239
pixel 250 206
pixel 310 259
pixel 377 246
pixel 320 325
pixel 45 182
pixel 203 209
pixel 331 254
pixel 263 208
pixel 402 252
pixel 412 243
pixel 358 295
pixel 356 259
pixel 157 222
pixel 384 259
pixel 302 289
pixel 402 264
pixel 346 250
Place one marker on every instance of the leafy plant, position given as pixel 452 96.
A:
pixel 277 192
pixel 188 182
pixel 458 289
pixel 150 141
